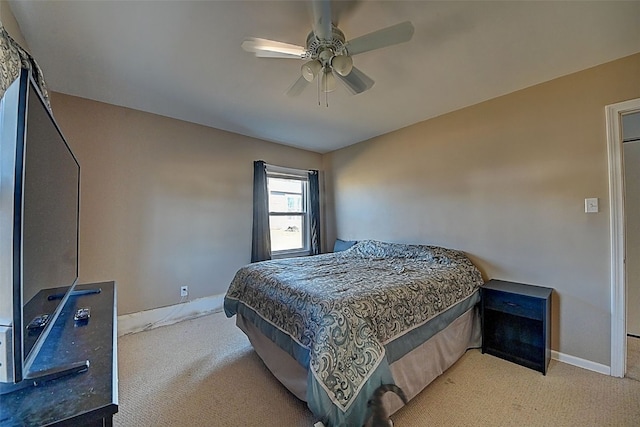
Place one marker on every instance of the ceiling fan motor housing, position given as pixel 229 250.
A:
pixel 327 55
pixel 335 46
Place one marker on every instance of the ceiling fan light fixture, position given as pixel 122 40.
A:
pixel 328 81
pixel 342 64
pixel 311 69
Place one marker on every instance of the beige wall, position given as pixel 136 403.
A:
pixel 504 180
pixel 11 25
pixel 164 203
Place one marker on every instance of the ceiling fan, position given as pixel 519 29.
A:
pixel 327 54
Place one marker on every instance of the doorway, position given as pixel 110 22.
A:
pixel 614 115
pixel 631 160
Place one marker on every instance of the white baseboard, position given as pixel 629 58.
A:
pixel 581 363
pixel 149 319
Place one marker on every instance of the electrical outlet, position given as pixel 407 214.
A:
pixel 184 291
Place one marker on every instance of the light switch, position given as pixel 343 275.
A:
pixel 591 205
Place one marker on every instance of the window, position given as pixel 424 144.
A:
pixel 288 211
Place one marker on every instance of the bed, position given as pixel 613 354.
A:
pixel 333 327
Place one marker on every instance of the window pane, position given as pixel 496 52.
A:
pixel 286 195
pixel 286 232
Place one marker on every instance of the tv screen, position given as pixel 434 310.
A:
pixel 39 201
pixel 50 210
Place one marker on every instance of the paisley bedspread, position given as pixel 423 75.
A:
pixel 337 313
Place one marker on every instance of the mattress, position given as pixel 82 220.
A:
pixel 345 318
pixel 412 372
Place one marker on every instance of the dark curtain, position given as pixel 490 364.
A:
pixel 314 215
pixel 261 237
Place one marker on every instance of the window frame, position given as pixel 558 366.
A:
pixel 296 175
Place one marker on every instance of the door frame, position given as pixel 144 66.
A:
pixel 614 115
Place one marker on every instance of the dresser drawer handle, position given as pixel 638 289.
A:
pixel 511 304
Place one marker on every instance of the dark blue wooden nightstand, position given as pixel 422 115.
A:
pixel 516 323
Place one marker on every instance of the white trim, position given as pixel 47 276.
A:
pixel 617 233
pixel 278 172
pixel 274 169
pixel 581 363
pixel 149 319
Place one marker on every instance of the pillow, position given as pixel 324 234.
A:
pixel 342 245
pixel 374 249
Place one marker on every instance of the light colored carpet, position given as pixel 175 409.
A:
pixel 203 372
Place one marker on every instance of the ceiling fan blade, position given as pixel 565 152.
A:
pixel 269 54
pixel 267 48
pixel 322 19
pixel 297 88
pixel 356 81
pixel 384 37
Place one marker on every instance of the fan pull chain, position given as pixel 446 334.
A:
pixel 326 92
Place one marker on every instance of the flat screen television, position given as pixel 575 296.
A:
pixel 39 227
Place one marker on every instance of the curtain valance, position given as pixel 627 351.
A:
pixel 12 58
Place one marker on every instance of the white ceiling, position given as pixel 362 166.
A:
pixel 183 59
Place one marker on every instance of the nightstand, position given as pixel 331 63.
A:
pixel 516 323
